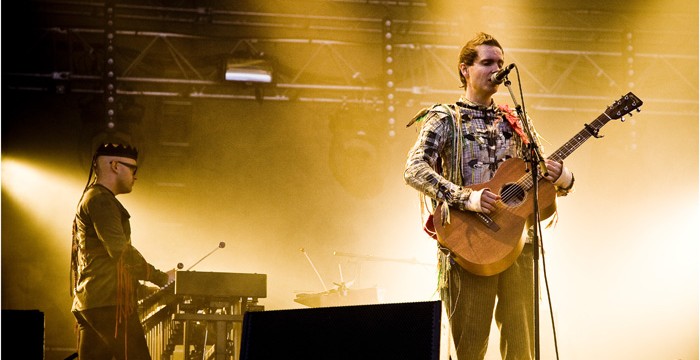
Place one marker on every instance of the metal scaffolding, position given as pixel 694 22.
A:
pixel 334 51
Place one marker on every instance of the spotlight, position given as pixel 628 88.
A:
pixel 248 70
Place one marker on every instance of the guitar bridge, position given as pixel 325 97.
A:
pixel 488 221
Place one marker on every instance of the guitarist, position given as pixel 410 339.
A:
pixel 463 144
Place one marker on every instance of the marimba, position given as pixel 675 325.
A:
pixel 196 304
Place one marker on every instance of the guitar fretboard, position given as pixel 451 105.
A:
pixel 622 107
pixel 578 140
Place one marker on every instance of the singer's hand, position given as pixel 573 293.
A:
pixel 488 201
pixel 553 170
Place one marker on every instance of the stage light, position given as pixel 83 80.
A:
pixel 248 70
pixel 47 194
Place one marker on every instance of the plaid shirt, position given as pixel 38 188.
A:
pixel 487 139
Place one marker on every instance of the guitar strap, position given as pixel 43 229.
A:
pixel 514 122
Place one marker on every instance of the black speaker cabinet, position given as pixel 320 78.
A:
pixel 401 331
pixel 23 333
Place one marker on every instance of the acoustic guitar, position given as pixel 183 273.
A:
pixel 488 244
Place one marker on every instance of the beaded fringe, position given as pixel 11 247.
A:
pixel 126 295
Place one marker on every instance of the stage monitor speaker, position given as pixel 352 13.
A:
pixel 400 331
pixel 23 332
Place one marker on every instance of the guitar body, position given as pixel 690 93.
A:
pixel 489 247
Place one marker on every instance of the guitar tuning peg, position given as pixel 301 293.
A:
pixel 622 119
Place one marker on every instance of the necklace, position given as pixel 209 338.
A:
pixel 475 105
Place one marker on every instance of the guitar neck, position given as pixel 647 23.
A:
pixel 578 140
pixel 617 110
pixel 569 147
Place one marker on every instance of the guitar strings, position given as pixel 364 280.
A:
pixel 525 182
pixel 574 143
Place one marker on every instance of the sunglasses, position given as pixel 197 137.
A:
pixel 130 166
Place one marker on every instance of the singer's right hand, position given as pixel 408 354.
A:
pixel 488 201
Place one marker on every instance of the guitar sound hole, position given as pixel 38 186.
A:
pixel 512 194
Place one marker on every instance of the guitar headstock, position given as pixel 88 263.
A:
pixel 623 106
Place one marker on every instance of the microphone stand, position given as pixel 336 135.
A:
pixel 536 161
pixel 314 267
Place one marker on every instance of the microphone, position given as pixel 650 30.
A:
pixel 500 75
